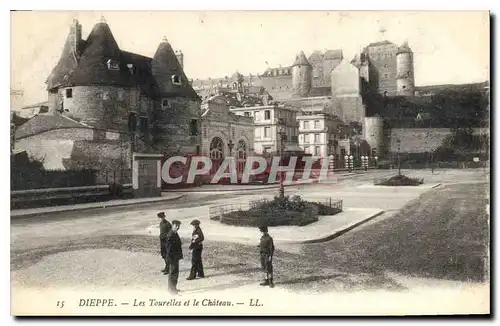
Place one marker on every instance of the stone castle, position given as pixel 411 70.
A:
pixel 105 102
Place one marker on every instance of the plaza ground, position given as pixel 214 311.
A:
pixel 426 238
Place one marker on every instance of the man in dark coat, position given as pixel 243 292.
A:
pixel 165 226
pixel 266 256
pixel 174 254
pixel 196 248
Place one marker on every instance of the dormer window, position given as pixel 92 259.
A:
pixel 113 65
pixel 130 67
pixel 176 79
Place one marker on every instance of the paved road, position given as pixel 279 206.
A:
pixel 440 236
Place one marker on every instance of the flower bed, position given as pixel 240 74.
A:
pixel 400 180
pixel 276 212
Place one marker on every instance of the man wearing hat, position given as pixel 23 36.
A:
pixel 174 254
pixel 165 226
pixel 196 248
pixel 266 256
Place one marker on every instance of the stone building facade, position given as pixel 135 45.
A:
pixel 111 96
pixel 225 133
pixel 269 122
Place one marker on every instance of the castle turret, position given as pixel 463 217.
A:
pixel 168 73
pixel 374 134
pixel 405 75
pixel 301 76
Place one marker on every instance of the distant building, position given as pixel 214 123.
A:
pixel 268 122
pixel 225 133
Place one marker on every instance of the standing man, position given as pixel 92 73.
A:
pixel 165 227
pixel 266 256
pixel 196 248
pixel 174 254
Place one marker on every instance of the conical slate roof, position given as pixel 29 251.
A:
pixel 301 60
pixel 93 68
pixel 65 66
pixel 164 67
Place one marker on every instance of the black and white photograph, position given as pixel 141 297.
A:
pixel 250 163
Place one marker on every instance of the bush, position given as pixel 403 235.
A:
pixel 400 180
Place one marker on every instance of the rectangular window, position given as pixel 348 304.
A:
pixel 306 138
pixel 257 115
pixel 267 115
pixel 143 124
pixel 267 132
pixel 306 124
pixel 317 151
pixel 246 114
pixel 267 149
pixel 69 92
pixel 132 121
pixel 316 124
pixel 233 132
pixel 193 128
pixel 165 104
pixel 205 132
pixel 306 149
pixel 257 133
pixel 316 138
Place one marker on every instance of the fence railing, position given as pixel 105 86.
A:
pixel 264 210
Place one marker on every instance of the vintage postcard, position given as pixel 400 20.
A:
pixel 250 163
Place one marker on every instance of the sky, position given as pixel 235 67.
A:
pixel 449 47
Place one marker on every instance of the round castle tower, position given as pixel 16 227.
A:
pixel 301 76
pixel 374 133
pixel 405 76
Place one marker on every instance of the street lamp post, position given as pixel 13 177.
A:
pixel 398 141
pixel 351 163
pixel 281 134
pixel 231 146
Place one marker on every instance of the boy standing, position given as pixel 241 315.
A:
pixel 174 254
pixel 196 248
pixel 266 256
pixel 165 227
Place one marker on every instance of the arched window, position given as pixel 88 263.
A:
pixel 241 150
pixel 216 149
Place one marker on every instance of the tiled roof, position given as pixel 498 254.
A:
pixel 45 122
pixel 380 43
pixel 36 105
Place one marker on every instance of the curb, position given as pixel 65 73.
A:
pixel 337 233
pixel 102 205
pixel 255 187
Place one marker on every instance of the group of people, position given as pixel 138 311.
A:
pixel 171 252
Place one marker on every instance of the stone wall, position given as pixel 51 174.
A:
pixel 421 140
pixel 72 148
pixel 104 107
pixel 172 131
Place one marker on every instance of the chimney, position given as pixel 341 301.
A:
pixel 76 37
pixel 180 58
